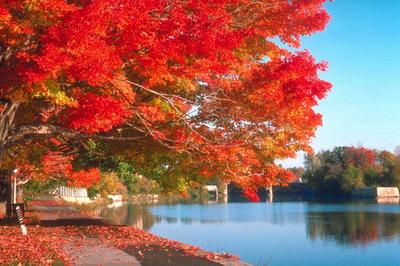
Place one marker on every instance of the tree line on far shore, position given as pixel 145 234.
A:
pixel 342 169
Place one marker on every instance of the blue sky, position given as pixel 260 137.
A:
pixel 362 46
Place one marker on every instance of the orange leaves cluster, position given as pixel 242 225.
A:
pixel 286 86
pixel 152 113
pixel 84 178
pixel 56 164
pixel 306 17
pixel 97 113
pixel 4 16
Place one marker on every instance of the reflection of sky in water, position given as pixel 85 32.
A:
pixel 283 233
pixel 238 212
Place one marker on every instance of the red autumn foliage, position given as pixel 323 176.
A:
pixel 360 157
pixel 204 77
pixel 43 246
pixel 84 178
pixel 96 113
pixel 57 164
pixel 251 195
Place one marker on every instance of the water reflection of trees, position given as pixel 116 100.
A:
pixel 128 214
pixel 353 228
pixel 140 217
pixel 346 227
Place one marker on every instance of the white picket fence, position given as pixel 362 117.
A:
pixel 80 195
pixel 73 194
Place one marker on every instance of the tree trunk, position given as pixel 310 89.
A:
pixel 6 120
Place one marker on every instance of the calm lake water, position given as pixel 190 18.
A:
pixel 279 233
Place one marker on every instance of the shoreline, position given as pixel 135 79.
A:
pixel 64 236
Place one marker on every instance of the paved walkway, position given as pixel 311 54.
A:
pixel 93 251
pixel 96 253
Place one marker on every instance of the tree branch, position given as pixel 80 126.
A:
pixel 31 131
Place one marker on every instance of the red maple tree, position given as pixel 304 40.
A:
pixel 204 82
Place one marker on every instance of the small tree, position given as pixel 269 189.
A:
pixel 351 178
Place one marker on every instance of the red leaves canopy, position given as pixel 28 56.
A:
pixel 95 113
pixel 204 77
